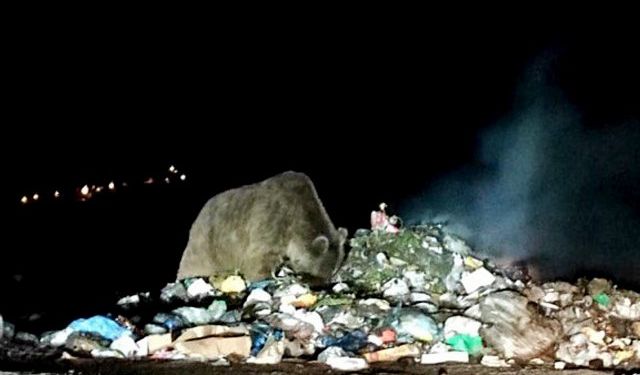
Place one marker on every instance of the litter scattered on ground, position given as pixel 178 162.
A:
pixel 416 293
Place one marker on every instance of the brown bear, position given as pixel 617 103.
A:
pixel 255 228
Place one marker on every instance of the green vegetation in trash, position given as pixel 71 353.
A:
pixel 377 256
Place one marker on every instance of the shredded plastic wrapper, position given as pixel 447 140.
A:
pixel 381 222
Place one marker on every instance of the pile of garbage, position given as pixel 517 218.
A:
pixel 417 293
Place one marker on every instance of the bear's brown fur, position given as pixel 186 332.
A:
pixel 254 228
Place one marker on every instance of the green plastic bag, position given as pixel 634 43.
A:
pixel 466 343
pixel 602 299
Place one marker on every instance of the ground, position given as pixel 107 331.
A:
pixel 92 366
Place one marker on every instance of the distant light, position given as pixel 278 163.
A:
pixel 112 186
pixel 172 169
pixel 84 190
pixel 166 179
pixel 36 196
pixel 183 177
pixel 56 194
pixel 99 189
pixel 24 200
pixel 149 180
pixel 124 184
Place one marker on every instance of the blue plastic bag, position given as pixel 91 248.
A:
pixel 100 325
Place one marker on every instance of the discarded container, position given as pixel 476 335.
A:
pixel 58 338
pixel 622 356
pixel 395 290
pixel 296 347
pixel 332 351
pixel 196 316
pixel 373 306
pixel 310 317
pixel 129 301
pixel 264 284
pixel 231 317
pixel 169 321
pixel 350 342
pixel 472 281
pixel 416 280
pixel 580 351
pixel 125 345
pixel 434 358
pixel 218 308
pixel 257 296
pixel 347 320
pixel 340 288
pixel 198 289
pixel 271 353
pixel 393 354
pixel 106 353
pixel 294 290
pixel 26 338
pixel 305 301
pixel 233 284
pixel 154 329
pixel 174 293
pixel 461 325
pixel 559 365
pixel 292 326
pixel 624 308
pixel 260 333
pixel 493 361
pixel 472 262
pixel 415 324
pixel 596 337
pixel 347 364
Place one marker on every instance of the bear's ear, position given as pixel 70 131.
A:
pixel 343 233
pixel 320 245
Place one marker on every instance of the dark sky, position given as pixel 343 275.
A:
pixel 370 113
pixel 84 91
pixel 151 96
pixel 88 101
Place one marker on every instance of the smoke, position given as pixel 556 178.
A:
pixel 547 190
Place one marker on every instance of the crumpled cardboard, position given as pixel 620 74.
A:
pixel 213 341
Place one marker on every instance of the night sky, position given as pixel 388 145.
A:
pixel 369 116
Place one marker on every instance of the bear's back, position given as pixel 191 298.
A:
pixel 249 228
